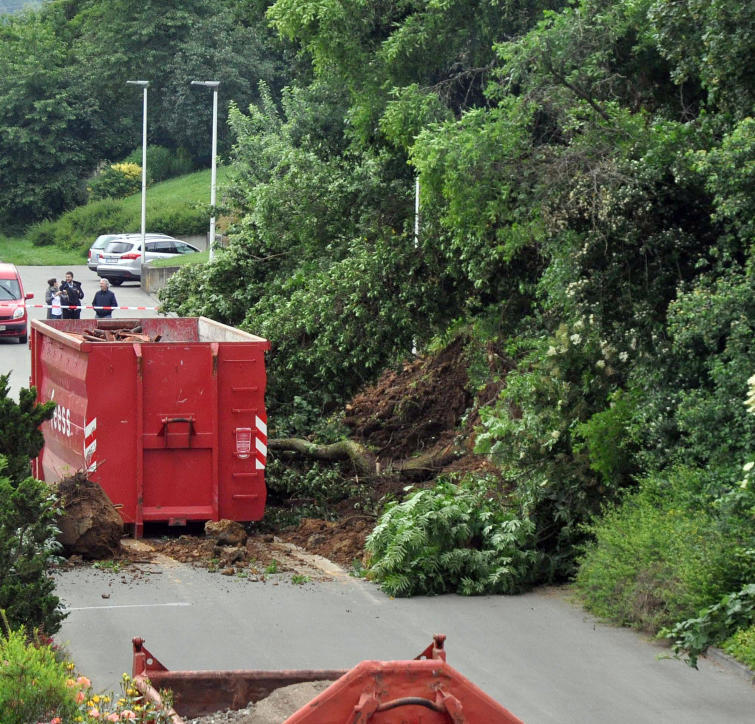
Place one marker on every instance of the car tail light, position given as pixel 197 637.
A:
pixel 89 255
pixel 131 255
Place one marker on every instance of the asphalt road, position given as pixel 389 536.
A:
pixel 538 654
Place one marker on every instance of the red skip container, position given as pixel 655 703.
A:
pixel 173 430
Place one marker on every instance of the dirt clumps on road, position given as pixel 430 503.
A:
pixel 422 412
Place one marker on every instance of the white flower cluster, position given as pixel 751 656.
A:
pixel 750 401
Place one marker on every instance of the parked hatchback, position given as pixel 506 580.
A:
pixel 13 315
pixel 93 258
pixel 121 259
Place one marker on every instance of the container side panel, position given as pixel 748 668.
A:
pixel 171 329
pixel 92 431
pixel 62 378
pixel 242 431
pixel 111 423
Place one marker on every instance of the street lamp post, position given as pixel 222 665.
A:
pixel 143 84
pixel 213 176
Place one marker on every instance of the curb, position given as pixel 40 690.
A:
pixel 730 663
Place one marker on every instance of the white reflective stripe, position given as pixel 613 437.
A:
pixel 89 449
pixel 92 467
pixel 261 426
pixel 261 447
pixel 91 426
pixel 260 465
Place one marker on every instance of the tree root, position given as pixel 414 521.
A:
pixel 365 462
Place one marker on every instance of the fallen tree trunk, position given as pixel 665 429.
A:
pixel 364 461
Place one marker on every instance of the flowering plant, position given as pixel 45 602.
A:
pixel 91 707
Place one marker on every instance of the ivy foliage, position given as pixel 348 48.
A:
pixel 453 537
pixel 691 638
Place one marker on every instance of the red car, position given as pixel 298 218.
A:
pixel 13 316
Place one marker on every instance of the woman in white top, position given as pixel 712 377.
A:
pixel 57 310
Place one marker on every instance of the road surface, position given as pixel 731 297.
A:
pixel 538 654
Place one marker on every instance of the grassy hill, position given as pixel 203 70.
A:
pixel 178 206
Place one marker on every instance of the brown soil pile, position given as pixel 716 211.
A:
pixel 339 541
pixel 414 408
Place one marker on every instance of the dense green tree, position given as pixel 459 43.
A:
pixel 28 514
pixel 45 119
pixel 66 106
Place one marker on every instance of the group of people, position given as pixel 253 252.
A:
pixel 64 299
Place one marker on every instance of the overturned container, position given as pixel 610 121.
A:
pixel 172 430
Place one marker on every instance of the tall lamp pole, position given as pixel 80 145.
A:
pixel 213 177
pixel 143 84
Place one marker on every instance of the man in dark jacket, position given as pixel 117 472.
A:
pixel 75 294
pixel 104 298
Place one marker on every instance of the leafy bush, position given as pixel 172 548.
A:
pixel 78 228
pixel 36 685
pixel 116 181
pixel 28 513
pixel 180 218
pixel 543 434
pixel 162 163
pixel 663 553
pixel 690 638
pixel 452 537
pixel 742 646
pixel 42 233
pixel 315 488
pixel 20 436
pixel 33 683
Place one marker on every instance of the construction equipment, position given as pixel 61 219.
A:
pixel 423 690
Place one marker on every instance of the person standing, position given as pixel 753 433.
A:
pixel 55 300
pixel 50 293
pixel 104 298
pixel 75 295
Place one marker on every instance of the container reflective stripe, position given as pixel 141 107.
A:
pixel 90 445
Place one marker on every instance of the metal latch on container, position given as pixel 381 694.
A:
pixel 243 442
pixel 177 439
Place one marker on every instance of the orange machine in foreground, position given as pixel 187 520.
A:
pixel 424 690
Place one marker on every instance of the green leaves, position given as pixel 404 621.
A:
pixel 692 637
pixel 452 537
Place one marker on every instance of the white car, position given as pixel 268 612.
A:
pixel 121 259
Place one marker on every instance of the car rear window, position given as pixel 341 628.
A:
pixel 101 241
pixel 118 247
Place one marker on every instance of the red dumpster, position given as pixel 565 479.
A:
pixel 172 430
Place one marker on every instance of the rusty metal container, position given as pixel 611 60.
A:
pixel 422 690
pixel 172 430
